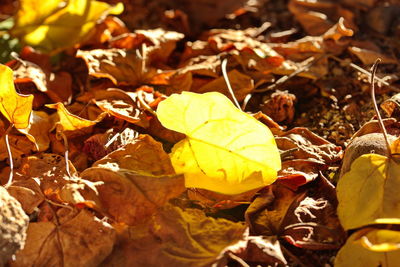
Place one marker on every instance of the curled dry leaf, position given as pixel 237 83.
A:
pixel 15 107
pixel 306 144
pixel 59 24
pixel 122 105
pixel 225 150
pixel 71 122
pixel 122 67
pixel 176 237
pixel 74 239
pixel 38 130
pixel 305 218
pixel 370 247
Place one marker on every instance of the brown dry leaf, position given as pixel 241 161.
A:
pixel 256 251
pixel 74 239
pixel 298 172
pixel 241 84
pixel 160 43
pixel 128 196
pixel 99 145
pixel 176 237
pixel 306 218
pixel 122 67
pixel 318 16
pixel 49 171
pixel 20 145
pixel 123 105
pixel 36 68
pixel 368 57
pixel 71 122
pixel 157 130
pixel 301 143
pixel 143 155
pixel 28 193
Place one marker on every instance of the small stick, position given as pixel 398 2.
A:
pixel 382 126
pixel 356 67
pixel 226 78
pixel 10 177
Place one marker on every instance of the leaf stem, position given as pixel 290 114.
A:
pixel 10 177
pixel 381 125
pixel 226 78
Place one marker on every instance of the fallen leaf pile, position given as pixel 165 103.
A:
pixel 198 133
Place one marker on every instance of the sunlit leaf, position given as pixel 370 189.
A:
pixel 370 247
pixel 71 122
pixel 15 107
pixel 225 150
pixel 59 24
pixel 368 193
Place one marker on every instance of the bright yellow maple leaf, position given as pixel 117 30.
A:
pixel 59 24
pixel 370 247
pixel 225 149
pixel 368 193
pixel 15 107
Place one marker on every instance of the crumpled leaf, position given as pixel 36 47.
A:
pixel 123 105
pixel 75 239
pixel 368 194
pixel 15 107
pixel 257 250
pixel 160 43
pixel 176 237
pixel 370 247
pixel 122 67
pixel 128 196
pixel 59 24
pixel 71 122
pixel 305 218
pixel 226 150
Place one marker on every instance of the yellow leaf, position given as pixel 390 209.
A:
pixel 71 122
pixel 59 24
pixel 368 193
pixel 15 107
pixel 225 150
pixel 370 247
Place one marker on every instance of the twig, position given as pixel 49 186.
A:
pixel 374 68
pixel 10 177
pixel 356 67
pixel 66 147
pixel 226 78
pixel 145 105
pixel 308 63
pixel 238 260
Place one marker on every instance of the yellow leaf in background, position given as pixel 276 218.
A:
pixel 370 247
pixel 71 122
pixel 225 149
pixel 369 192
pixel 59 24
pixel 15 107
